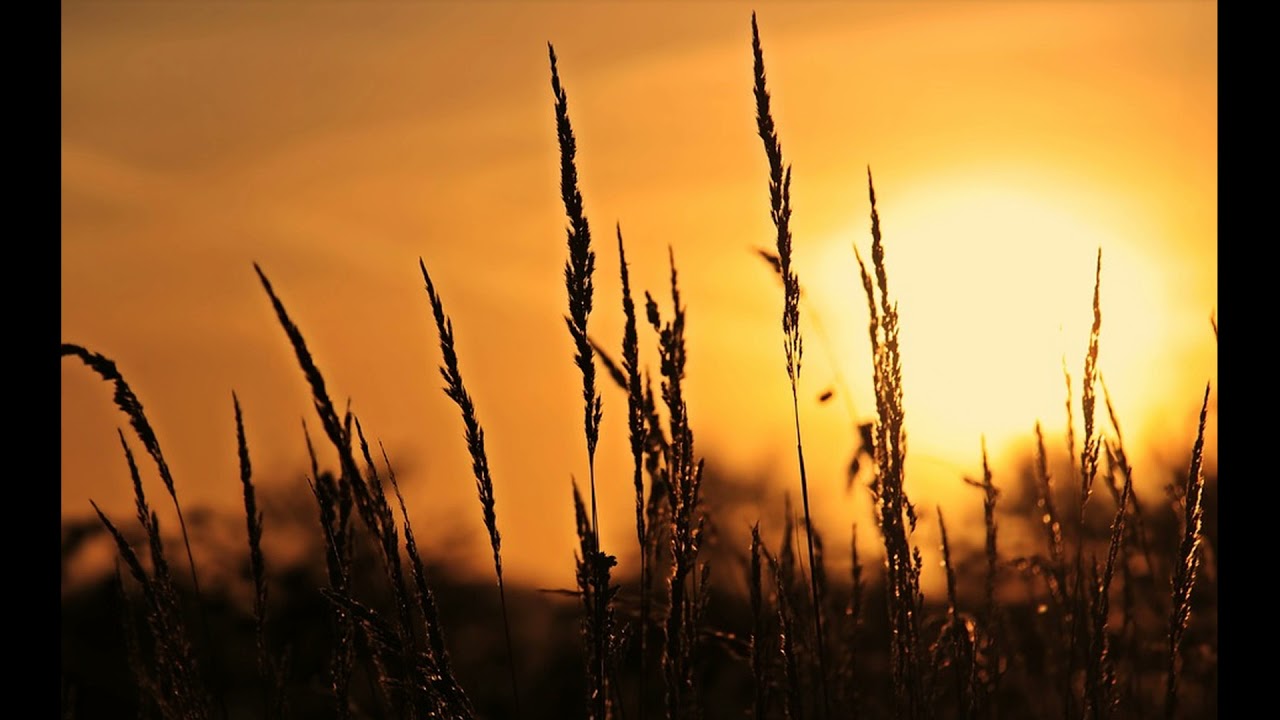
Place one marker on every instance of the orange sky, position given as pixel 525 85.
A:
pixel 335 144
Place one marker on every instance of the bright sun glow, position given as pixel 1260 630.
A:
pixel 995 285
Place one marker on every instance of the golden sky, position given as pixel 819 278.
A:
pixel 336 143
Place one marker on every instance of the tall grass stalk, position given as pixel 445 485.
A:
pixel 1135 540
pixel 1136 535
pixel 792 343
pixel 815 320
pixel 1055 570
pixel 1100 676
pixel 272 677
pixel 337 430
pixel 334 500
pixel 793 708
pixel 1070 586
pixel 438 653
pixel 894 511
pixel 1088 469
pixel 654 449
pixel 857 593
pixel 395 652
pixel 593 587
pixel 405 629
pixel 426 682
pixel 1128 548
pixel 1051 520
pixel 992 619
pixel 657 450
pixel 1187 561
pixel 637 437
pixel 578 271
pixel 759 670
pixel 956 646
pixel 457 392
pixel 684 483
pixel 1071 421
pixel 1088 401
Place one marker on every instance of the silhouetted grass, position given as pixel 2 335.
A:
pixel 992 622
pixel 759 676
pixel 792 343
pixel 637 436
pixel 956 647
pixel 683 479
pixel 170 674
pixel 894 511
pixel 273 701
pixel 129 404
pixel 457 392
pixel 355 635
pixel 1187 559
pixel 578 271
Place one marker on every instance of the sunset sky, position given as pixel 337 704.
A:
pixel 336 143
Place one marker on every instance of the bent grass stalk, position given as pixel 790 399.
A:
pixel 338 431
pixel 457 392
pixel 128 402
pixel 397 643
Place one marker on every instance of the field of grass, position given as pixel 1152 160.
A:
pixel 1114 616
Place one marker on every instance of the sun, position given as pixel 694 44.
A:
pixel 995 280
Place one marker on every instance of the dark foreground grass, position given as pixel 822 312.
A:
pixel 1112 618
